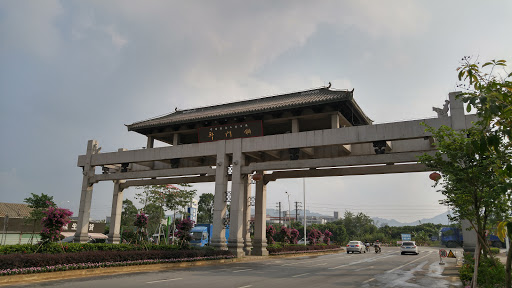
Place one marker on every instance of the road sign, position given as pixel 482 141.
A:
pixel 451 255
pixel 443 253
pixel 406 237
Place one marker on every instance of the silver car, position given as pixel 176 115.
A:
pixel 355 246
pixel 409 247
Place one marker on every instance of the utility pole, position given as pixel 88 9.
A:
pixel 279 205
pixel 297 210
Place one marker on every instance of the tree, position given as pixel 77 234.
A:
pixel 475 163
pixel 53 221
pixel 205 208
pixel 39 204
pixel 128 214
pixel 488 88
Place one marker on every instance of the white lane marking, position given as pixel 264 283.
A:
pixel 165 280
pixel 369 267
pixel 363 261
pixel 300 275
pixel 319 264
pixel 371 279
pixel 303 262
pixel 241 270
pixel 246 286
pixel 389 271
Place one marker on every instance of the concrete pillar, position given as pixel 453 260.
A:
pixel 238 181
pixel 295 126
pixel 115 215
pixel 260 219
pixel 469 237
pixel 247 217
pixel 175 139
pixel 457 112
pixel 219 200
pixel 151 142
pixel 84 210
pixel 335 121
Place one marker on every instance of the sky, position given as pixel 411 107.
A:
pixel 71 71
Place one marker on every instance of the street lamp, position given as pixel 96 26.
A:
pixel 305 221
pixel 289 216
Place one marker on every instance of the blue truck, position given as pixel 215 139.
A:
pixel 452 237
pixel 202 235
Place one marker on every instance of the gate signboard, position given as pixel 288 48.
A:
pixel 406 237
pixel 230 131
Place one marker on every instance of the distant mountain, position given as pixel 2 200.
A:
pixel 439 219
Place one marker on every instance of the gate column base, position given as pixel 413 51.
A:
pixel 259 248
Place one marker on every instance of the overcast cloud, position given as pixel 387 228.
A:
pixel 71 71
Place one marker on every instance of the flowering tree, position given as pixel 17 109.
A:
pixel 184 227
pixel 327 237
pixel 285 234
pixel 53 221
pixel 141 221
pixel 270 232
pixel 294 233
pixel 314 236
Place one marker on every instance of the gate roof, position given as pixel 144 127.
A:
pixel 269 104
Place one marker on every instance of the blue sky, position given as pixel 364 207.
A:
pixel 71 71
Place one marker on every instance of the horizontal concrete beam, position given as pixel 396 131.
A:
pixel 155 173
pixel 336 162
pixel 340 136
pixel 367 170
pixel 165 181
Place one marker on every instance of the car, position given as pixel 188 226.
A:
pixel 301 242
pixel 355 246
pixel 409 247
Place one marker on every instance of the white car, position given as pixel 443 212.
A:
pixel 301 242
pixel 355 246
pixel 409 247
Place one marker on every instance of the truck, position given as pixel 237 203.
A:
pixel 202 235
pixel 451 237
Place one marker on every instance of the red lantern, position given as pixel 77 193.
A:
pixel 256 177
pixel 435 176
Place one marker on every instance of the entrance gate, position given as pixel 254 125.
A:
pixel 314 133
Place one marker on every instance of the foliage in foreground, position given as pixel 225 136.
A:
pixel 489 274
pixel 16 261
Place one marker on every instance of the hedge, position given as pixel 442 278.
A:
pixel 57 247
pixel 292 248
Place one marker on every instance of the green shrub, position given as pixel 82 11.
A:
pixel 495 250
pixel 489 275
pixel 56 247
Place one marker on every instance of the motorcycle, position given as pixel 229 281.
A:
pixel 367 249
pixel 377 249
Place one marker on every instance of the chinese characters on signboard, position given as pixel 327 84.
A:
pixel 230 131
pixel 93 227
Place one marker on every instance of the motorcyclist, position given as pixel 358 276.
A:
pixel 377 246
pixel 367 246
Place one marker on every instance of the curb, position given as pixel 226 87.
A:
pixel 82 273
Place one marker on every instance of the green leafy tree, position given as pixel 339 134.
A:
pixel 205 208
pixel 488 88
pixel 39 204
pixel 128 214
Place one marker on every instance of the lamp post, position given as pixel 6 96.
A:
pixel 305 222
pixel 289 218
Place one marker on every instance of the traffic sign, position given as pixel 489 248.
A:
pixel 443 253
pixel 451 255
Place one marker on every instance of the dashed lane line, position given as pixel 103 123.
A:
pixel 165 280
pixel 362 261
pixel 246 286
pixel 369 280
pixel 242 270
pixel 300 275
pixel 389 271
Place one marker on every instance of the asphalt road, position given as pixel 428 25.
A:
pixel 387 269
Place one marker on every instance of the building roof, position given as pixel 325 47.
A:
pixel 254 106
pixel 14 210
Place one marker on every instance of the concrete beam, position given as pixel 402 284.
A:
pixel 365 170
pixel 341 136
pixel 336 162
pixel 155 173
pixel 165 181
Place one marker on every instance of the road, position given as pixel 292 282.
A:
pixel 387 269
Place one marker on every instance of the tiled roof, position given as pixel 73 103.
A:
pixel 14 210
pixel 265 104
